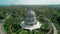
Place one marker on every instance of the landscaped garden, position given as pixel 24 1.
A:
pixel 12 25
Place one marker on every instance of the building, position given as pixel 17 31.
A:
pixel 30 22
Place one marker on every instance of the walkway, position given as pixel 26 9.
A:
pixel 2 31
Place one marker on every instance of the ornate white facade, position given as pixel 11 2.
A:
pixel 30 21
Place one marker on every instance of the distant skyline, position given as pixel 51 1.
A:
pixel 29 2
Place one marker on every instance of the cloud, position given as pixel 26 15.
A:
pixel 40 2
pixel 29 2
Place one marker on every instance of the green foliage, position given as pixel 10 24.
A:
pixel 18 15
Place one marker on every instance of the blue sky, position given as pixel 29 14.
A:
pixel 29 2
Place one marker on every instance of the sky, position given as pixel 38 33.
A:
pixel 29 2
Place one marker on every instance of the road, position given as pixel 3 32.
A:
pixel 55 30
pixel 2 31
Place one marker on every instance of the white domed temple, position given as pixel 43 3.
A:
pixel 30 21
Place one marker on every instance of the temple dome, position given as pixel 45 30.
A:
pixel 30 21
pixel 30 13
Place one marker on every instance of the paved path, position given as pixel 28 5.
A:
pixel 2 31
pixel 55 30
